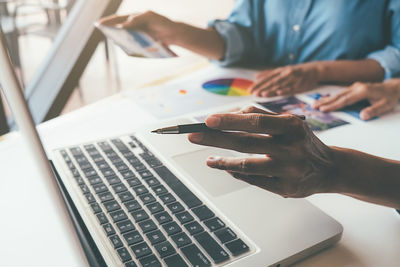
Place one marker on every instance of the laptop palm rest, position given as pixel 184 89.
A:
pixel 213 181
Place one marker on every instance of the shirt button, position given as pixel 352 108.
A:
pixel 291 56
pixel 296 27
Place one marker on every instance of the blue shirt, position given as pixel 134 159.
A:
pixel 283 32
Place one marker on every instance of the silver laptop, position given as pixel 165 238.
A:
pixel 149 200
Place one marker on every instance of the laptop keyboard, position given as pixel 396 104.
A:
pixel 150 217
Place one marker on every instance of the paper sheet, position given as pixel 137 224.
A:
pixel 204 89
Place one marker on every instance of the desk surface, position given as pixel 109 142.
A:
pixel 371 233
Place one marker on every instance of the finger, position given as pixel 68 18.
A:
pixel 253 109
pixel 256 123
pixel 344 99
pixel 285 91
pixel 324 100
pixel 378 108
pixel 239 141
pixel 113 20
pixel 269 83
pixel 259 82
pixel 271 184
pixel 254 166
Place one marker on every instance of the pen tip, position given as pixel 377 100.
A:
pixel 154 131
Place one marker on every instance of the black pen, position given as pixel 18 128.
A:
pixel 192 128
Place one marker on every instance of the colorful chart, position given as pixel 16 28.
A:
pixel 228 86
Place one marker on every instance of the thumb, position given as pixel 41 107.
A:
pixel 376 109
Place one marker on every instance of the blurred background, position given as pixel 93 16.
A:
pixel 32 27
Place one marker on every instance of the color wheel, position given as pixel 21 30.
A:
pixel 228 86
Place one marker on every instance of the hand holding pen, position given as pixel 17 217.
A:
pixel 298 163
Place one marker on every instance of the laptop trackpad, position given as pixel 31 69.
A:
pixel 215 182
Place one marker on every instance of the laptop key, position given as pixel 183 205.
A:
pixel 194 228
pixel 175 207
pixel 167 198
pixel 163 217
pixel 225 235
pixel 113 180
pixel 128 175
pixel 122 167
pixel 156 237
pixel 172 228
pixel 130 264
pixel 94 180
pixel 165 249
pixel 124 254
pixel 99 188
pixel 116 241
pixel 79 180
pixel 111 205
pixel 95 207
pixel 184 217
pixel 106 196
pixel 203 213
pixel 152 181
pixel 175 261
pixel 190 199
pixel 108 172
pixel 181 239
pixel 118 188
pixel 132 205
pixel 140 190
pixel 134 182
pixel 213 249
pixel 84 188
pixel 102 218
pixel 90 198
pixel 159 190
pixel 154 207
pixel 146 174
pixel 214 224
pixel 147 198
pixel 118 215
pixel 141 250
pixel 125 196
pixel 108 229
pixel 237 247
pixel 195 256
pixel 125 226
pixel 150 261
pixel 133 237
pixel 139 215
pixel 147 226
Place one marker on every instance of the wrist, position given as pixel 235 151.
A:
pixel 340 174
pixel 176 32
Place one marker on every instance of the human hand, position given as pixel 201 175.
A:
pixel 286 80
pixel 157 26
pixel 298 163
pixel 382 96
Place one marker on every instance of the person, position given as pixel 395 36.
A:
pixel 297 164
pixel 305 42
pixel 382 96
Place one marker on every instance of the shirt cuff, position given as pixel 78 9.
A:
pixel 234 45
pixel 389 59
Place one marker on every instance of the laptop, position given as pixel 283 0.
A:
pixel 148 200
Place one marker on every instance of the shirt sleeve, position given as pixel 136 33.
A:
pixel 389 56
pixel 236 32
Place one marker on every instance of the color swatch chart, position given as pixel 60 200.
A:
pixel 228 87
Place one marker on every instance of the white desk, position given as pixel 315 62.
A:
pixel 371 233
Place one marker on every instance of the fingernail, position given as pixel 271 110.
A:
pixel 213 121
pixel 196 137
pixel 212 160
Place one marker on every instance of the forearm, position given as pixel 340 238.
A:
pixel 348 71
pixel 206 42
pixel 367 177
